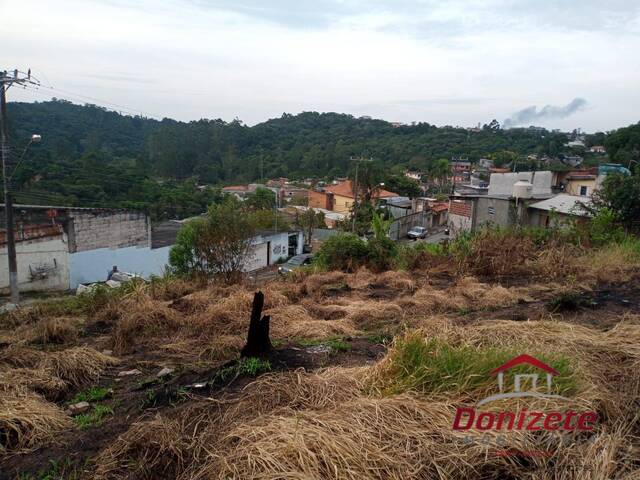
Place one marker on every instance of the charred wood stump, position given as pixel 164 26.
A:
pixel 258 342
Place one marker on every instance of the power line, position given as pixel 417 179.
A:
pixel 79 97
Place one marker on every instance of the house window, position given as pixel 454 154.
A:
pixel 583 191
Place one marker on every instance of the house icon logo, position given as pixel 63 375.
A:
pixel 521 380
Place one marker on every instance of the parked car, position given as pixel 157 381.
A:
pixel 295 262
pixel 417 232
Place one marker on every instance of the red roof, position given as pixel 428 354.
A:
pixel 344 189
pixel 440 207
pixel 243 188
pixel 524 358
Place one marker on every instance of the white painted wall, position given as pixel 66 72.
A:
pixel 94 265
pixel 41 252
pixel 279 244
pixel 458 224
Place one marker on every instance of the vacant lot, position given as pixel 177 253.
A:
pixel 364 380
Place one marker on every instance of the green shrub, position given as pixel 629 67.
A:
pixel 603 228
pixel 342 252
pixel 382 253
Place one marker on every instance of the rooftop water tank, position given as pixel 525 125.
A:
pixel 522 189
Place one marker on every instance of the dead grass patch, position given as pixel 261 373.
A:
pixel 317 285
pixel 322 311
pixel 466 295
pixel 27 422
pixel 55 330
pixel 392 438
pixel 140 323
pixel 18 355
pixel 610 264
pixel 157 448
pixel 395 280
pixel 376 315
pixel 293 321
pixel 78 366
pixel 37 380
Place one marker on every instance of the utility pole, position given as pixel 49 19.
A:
pixel 6 81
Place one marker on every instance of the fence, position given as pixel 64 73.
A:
pixel 402 225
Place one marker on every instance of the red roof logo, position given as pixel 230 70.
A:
pixel 525 359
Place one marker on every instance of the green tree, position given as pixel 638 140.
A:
pixel 216 245
pixel 403 186
pixel 261 199
pixel 620 194
pixel 342 252
pixel 439 172
pixel 308 220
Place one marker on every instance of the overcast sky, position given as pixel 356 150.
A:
pixel 445 62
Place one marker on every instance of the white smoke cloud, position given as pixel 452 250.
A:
pixel 531 115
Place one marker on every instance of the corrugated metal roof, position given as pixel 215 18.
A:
pixel 564 203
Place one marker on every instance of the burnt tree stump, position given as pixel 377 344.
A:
pixel 258 342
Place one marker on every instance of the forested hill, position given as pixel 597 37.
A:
pixel 308 144
pixel 89 155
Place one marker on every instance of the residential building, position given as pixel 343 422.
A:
pixel 598 149
pixel 580 183
pixel 559 210
pixel 504 204
pixel 271 246
pixel 340 197
pixel 240 191
pixel 61 247
pixel 417 176
pixel 460 166
pixel 486 163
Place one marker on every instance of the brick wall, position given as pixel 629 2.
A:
pixel 319 200
pixel 93 230
pixel 461 207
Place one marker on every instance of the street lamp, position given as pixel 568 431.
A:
pixel 35 138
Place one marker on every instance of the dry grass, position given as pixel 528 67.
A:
pixel 393 438
pixel 158 448
pixel 466 294
pixel 610 264
pixel 316 285
pixel 55 330
pixel 27 421
pixel 78 366
pixel 368 316
pixel 17 355
pixel 169 447
pixel 141 321
pixel 34 379
pixel 395 280
pixel 299 425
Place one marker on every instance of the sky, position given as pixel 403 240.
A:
pixel 559 64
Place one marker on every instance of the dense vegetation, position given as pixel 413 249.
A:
pixel 91 156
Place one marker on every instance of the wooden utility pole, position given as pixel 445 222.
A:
pixel 6 81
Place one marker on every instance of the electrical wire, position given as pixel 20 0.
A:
pixel 83 98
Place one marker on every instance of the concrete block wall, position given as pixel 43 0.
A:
pixel 48 255
pixel 95 230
